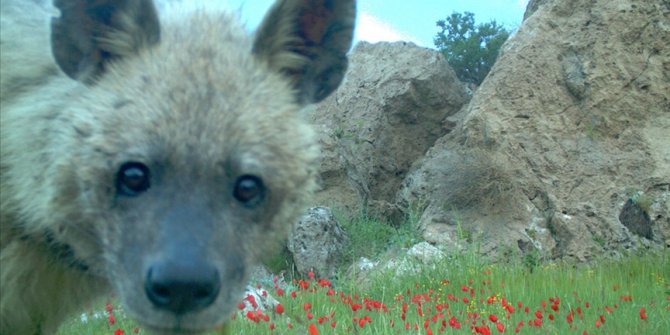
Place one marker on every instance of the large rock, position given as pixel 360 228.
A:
pixel 565 148
pixel 317 243
pixel 532 6
pixel 388 111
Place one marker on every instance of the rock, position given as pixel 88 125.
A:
pixel 404 262
pixel 425 253
pixel 574 114
pixel 317 242
pixel 257 299
pixel 388 111
pixel 533 6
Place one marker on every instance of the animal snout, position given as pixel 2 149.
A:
pixel 182 288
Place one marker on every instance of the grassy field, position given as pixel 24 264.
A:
pixel 461 295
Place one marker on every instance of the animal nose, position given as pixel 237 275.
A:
pixel 182 289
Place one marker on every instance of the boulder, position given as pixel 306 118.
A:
pixel 403 262
pixel 532 6
pixel 316 243
pixel 388 111
pixel 564 149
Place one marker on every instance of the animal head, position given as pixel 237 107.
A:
pixel 186 154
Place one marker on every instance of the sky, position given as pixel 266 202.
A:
pixel 394 20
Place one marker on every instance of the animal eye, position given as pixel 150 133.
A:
pixel 249 190
pixel 132 179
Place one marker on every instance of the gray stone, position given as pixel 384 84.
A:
pixel 317 242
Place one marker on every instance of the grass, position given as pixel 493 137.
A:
pixel 463 294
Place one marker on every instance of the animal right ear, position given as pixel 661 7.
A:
pixel 307 41
pixel 90 33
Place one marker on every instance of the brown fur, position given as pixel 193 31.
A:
pixel 192 98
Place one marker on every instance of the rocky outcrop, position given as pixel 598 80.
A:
pixel 388 111
pixel 317 242
pixel 562 140
pixel 532 6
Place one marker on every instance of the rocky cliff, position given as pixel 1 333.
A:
pixel 563 151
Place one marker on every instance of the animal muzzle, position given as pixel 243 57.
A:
pixel 182 287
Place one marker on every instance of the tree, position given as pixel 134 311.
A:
pixel 470 50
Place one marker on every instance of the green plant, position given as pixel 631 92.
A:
pixel 628 296
pixel 470 49
pixel 368 237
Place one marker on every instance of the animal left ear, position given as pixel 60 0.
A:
pixel 307 41
pixel 90 33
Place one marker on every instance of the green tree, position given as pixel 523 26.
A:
pixel 470 49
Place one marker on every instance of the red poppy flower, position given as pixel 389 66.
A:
pixel 500 327
pixel 312 329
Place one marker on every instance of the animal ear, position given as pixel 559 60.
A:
pixel 90 33
pixel 307 41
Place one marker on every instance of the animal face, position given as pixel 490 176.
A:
pixel 187 158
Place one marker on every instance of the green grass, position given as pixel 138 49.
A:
pixel 600 289
pixel 463 290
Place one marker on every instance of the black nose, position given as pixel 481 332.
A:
pixel 182 288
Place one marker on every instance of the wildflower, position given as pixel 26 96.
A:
pixel 626 298
pixel 307 306
pixel 324 282
pixel 252 316
pixel 280 292
pixel 118 331
pixel 279 308
pixel 312 329
pixel 643 313
pixel 111 319
pixel 484 330
pixel 510 308
pixel 272 326
pixel 493 318
pixel 538 314
pixel 500 327
pixel 453 322
pixel 309 315
pixel 303 284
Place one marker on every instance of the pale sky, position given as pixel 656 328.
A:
pixel 394 20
